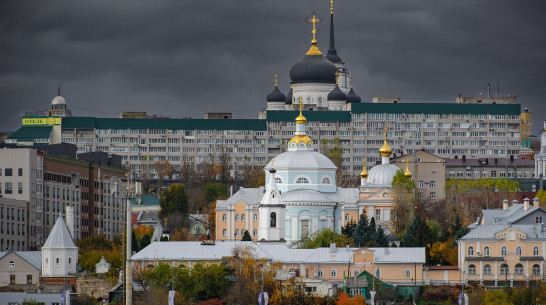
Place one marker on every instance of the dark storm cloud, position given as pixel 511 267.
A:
pixel 189 57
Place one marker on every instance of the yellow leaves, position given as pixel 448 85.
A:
pixel 344 299
pixel 442 253
pixel 142 230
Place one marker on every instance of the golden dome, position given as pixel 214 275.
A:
pixel 364 172
pixel 300 138
pixel 407 173
pixel 385 150
pixel 300 119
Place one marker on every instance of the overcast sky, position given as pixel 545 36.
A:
pixel 184 58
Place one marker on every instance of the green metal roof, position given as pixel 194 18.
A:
pixel 174 124
pixel 311 116
pixel 436 108
pixel 145 200
pixel 29 133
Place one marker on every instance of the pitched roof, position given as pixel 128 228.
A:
pixel 32 257
pixel 59 237
pixel 28 133
pixel 490 231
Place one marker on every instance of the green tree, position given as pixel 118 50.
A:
pixel 381 238
pixel 246 236
pixel 405 194
pixel 174 200
pixel 349 229
pixel 497 297
pixel 323 238
pixel 360 232
pixel 144 242
pixel 214 191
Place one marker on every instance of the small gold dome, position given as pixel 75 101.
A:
pixel 385 150
pixel 364 172
pixel 301 119
pixel 407 173
pixel 300 138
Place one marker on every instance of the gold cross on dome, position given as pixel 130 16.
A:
pixel 331 6
pixel 314 20
pixel 337 77
pixel 301 103
pixel 352 81
pixel 276 78
pixel 385 129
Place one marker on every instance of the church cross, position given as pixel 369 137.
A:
pixel 314 20
pixel 276 78
pixel 301 103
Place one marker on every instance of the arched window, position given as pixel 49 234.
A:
pixel 273 220
pixel 278 180
pixel 535 251
pixel 518 250
pixel 309 100
pixel 486 251
pixel 236 217
pixel 302 180
pixel 326 180
pixel 12 264
pixel 518 269
pixel 255 217
pixel 536 269
pixel 471 269
pixel 236 232
pixel 243 217
pixel 504 269
pixel 503 251
pixel 487 269
pixel 470 251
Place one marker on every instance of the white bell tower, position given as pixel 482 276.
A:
pixel 272 212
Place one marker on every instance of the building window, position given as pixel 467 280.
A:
pixel 20 187
pixel 224 232
pixel 355 272
pixel 346 217
pixel 304 227
pixel 407 273
pixel 57 260
pixel 378 273
pixel 12 278
pixel 224 217
pixel 320 273
pixel 487 269
pixel 273 220
pixel 536 269
pixel 333 273
pixel 12 263
pixel 255 232
pixel 503 251
pixel 8 172
pixel 236 232
pixel 486 251
pixel 242 217
pixel 518 269
pixel 355 291
pixel 20 171
pixel 518 250
pixel 377 214
pixel 538 220
pixel 255 217
pixel 8 188
pixel 278 180
pixel 29 278
pixel 471 270
pixel 432 195
pixel 326 180
pixel 432 184
pixel 504 269
pixel 535 251
pixel 420 184
pixel 302 180
pixel 470 251
pixel 236 217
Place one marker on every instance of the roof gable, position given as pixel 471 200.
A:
pixel 59 237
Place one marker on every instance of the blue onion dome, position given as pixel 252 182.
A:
pixel 352 97
pixel 276 96
pixel 288 100
pixel 337 95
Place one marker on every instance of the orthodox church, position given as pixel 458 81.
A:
pixel 540 158
pixel 301 196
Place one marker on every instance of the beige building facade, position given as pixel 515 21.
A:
pixel 14 225
pixel 19 268
pixel 428 173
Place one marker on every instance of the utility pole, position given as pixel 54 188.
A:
pixel 128 269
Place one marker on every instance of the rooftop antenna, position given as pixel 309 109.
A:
pixel 498 94
pixel 59 91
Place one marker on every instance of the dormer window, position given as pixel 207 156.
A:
pixel 302 180
pixel 326 180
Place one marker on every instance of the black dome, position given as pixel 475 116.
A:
pixel 288 100
pixel 276 96
pixel 313 69
pixel 333 57
pixel 337 95
pixel 352 97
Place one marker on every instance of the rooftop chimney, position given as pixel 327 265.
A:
pixel 535 202
pixel 505 204
pixel 70 220
pixel 514 202
pixel 526 203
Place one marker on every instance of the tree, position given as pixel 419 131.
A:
pixel 405 195
pixel 323 238
pixel 163 169
pixel 381 238
pixel 246 236
pixel 214 191
pixel 344 299
pixel 497 297
pixel 348 229
pixel 360 231
pixel 174 200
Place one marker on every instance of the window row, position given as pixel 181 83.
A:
pixel 504 249
pixel 504 269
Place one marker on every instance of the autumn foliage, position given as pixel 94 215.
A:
pixel 344 299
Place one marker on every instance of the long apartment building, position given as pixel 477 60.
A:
pixel 445 130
